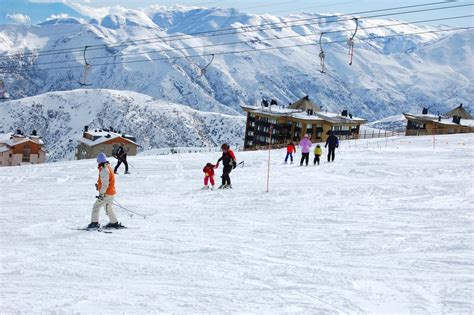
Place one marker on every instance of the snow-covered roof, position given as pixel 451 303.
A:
pixel 10 139
pixel 444 120
pixel 101 136
pixel 299 114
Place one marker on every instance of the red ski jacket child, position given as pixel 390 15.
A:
pixel 290 148
pixel 209 173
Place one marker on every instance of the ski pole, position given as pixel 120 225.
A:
pixel 115 203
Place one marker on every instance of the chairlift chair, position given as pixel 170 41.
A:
pixel 322 55
pixel 87 68
pixel 350 41
pixel 202 71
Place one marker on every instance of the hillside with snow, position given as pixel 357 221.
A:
pixel 59 118
pixel 389 74
pixel 385 229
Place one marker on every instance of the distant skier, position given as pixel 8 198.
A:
pixel 106 187
pixel 333 143
pixel 209 175
pixel 305 145
pixel 121 156
pixel 229 162
pixel 290 149
pixel 317 154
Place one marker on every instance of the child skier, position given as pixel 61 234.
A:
pixel 290 149
pixel 230 162
pixel 106 187
pixel 317 154
pixel 209 175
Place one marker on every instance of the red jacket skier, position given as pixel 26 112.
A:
pixel 209 174
pixel 290 149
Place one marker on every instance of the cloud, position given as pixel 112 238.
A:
pixel 58 16
pixel 18 18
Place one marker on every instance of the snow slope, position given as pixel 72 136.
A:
pixel 59 118
pixel 387 228
pixel 389 75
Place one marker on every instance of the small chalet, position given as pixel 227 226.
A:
pixel 19 149
pixel 293 122
pixel 457 120
pixel 95 141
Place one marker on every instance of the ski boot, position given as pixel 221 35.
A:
pixel 93 225
pixel 116 225
pixel 205 187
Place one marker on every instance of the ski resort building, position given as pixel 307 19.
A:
pixel 19 149
pixel 293 122
pixel 457 120
pixel 95 141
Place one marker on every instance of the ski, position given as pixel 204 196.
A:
pixel 98 230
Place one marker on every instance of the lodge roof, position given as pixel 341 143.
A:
pixel 10 140
pixel 459 111
pixel 99 136
pixel 303 115
pixel 430 118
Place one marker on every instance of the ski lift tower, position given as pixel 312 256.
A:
pixel 4 96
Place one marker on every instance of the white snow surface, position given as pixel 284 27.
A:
pixel 387 228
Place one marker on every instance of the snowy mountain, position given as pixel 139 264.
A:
pixel 385 229
pixel 26 12
pixel 389 75
pixel 59 118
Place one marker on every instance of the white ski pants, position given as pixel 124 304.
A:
pixel 107 203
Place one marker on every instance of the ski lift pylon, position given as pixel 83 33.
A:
pixel 202 71
pixel 3 91
pixel 87 68
pixel 322 55
pixel 350 41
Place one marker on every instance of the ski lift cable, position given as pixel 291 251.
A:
pixel 265 39
pixel 255 50
pixel 211 45
pixel 244 29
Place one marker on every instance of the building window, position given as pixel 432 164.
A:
pixel 26 153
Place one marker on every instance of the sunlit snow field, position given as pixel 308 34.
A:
pixel 387 228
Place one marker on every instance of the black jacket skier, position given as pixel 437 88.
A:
pixel 229 162
pixel 333 143
pixel 121 156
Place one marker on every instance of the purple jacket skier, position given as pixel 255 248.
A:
pixel 305 145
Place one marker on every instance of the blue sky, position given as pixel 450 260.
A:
pixel 285 7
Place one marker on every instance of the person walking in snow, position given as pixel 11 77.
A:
pixel 290 149
pixel 106 188
pixel 121 156
pixel 305 145
pixel 209 175
pixel 317 154
pixel 229 162
pixel 333 143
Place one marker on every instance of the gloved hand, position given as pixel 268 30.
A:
pixel 234 164
pixel 206 174
pixel 96 187
pixel 100 197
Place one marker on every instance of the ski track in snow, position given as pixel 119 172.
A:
pixel 386 228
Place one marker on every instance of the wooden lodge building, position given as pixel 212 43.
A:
pixel 293 122
pixel 95 141
pixel 457 120
pixel 19 149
